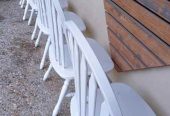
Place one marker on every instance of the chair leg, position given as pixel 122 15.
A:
pixel 26 10
pixel 34 32
pixel 47 73
pixel 45 53
pixel 22 3
pixel 31 16
pixel 38 39
pixel 61 97
pixel 71 94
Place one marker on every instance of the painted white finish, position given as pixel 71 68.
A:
pixel 119 99
pixel 69 16
pixel 42 24
pixel 22 3
pixel 59 54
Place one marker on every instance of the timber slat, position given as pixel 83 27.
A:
pixel 129 40
pixel 120 63
pixel 148 19
pixel 160 7
pixel 133 61
pixel 139 33
pixel 153 43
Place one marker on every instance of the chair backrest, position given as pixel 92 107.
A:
pixel 56 19
pixel 84 58
pixel 35 2
pixel 42 12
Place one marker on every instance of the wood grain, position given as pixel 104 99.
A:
pixel 148 19
pixel 152 42
pixel 138 33
pixel 160 7
pixel 120 63
pixel 128 55
pixel 130 41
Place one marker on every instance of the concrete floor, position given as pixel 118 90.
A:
pixel 22 91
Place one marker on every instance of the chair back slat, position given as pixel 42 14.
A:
pixel 55 32
pixel 42 13
pixel 57 18
pixel 58 8
pixel 84 57
pixel 92 95
pixel 76 58
pixel 71 44
pixel 59 38
pixel 83 86
pixel 36 2
pixel 52 32
pixel 61 41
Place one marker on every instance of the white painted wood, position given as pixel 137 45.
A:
pixel 42 24
pixel 61 97
pixel 38 39
pixel 84 86
pixel 22 3
pixel 110 99
pixel 104 110
pixel 41 20
pixel 45 52
pixel 130 102
pixel 31 16
pixel 76 57
pixel 34 31
pixel 47 72
pixel 26 10
pixel 92 95
pixel 59 52
pixel 76 19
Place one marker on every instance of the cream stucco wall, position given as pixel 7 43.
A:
pixel 152 84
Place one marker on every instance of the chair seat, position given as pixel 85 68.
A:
pixel 103 57
pixel 69 16
pixel 76 19
pixel 64 72
pixel 131 104
pixel 67 72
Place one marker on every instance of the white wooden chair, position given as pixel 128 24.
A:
pixel 66 15
pixel 94 95
pixel 59 54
